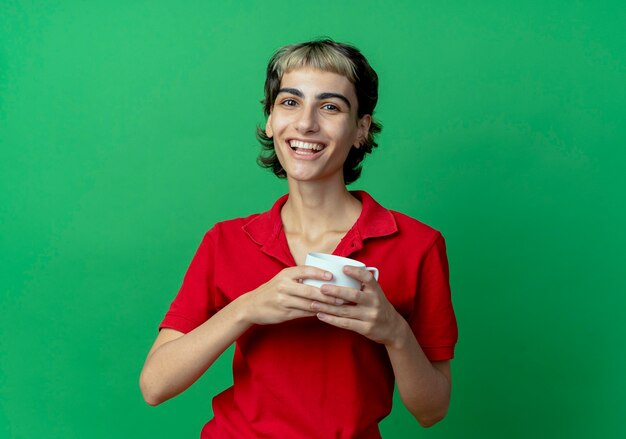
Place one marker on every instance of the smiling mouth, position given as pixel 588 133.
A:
pixel 305 147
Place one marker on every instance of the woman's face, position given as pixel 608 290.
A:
pixel 314 124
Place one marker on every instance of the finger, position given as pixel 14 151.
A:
pixel 292 314
pixel 360 274
pixel 309 272
pixel 351 312
pixel 312 294
pixel 299 304
pixel 342 322
pixel 342 294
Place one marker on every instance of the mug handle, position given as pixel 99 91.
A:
pixel 374 271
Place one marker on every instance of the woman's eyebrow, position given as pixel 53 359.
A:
pixel 327 95
pixel 292 91
pixel 321 96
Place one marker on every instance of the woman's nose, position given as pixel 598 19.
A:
pixel 307 120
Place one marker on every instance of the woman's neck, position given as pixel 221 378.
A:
pixel 315 208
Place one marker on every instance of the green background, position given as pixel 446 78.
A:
pixel 127 130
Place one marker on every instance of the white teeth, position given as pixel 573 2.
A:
pixel 305 145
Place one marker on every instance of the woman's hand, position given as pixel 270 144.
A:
pixel 371 315
pixel 285 297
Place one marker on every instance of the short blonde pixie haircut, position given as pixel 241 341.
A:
pixel 330 56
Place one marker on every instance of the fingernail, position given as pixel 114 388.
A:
pixel 328 275
pixel 339 302
pixel 315 305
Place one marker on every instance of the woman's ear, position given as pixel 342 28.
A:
pixel 363 129
pixel 268 127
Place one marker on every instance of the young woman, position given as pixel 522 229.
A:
pixel 313 362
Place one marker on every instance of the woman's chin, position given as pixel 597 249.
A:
pixel 314 177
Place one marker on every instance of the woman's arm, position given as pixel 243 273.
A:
pixel 424 387
pixel 177 360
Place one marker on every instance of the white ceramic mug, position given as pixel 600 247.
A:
pixel 335 265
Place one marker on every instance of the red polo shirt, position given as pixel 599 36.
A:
pixel 305 378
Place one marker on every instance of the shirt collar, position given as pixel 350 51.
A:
pixel 374 221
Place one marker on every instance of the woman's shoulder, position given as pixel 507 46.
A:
pixel 257 226
pixel 415 229
pixel 233 225
pixel 412 223
pixel 397 225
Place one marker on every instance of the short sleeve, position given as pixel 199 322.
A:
pixel 194 304
pixel 433 320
